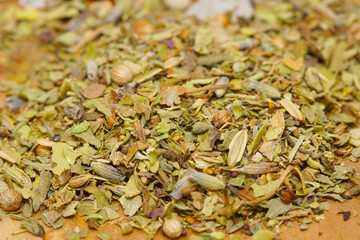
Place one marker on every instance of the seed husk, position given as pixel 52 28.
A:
pixel 80 180
pixel 237 147
pixel 107 171
pixel 19 176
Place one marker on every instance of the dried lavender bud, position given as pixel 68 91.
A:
pixel 74 112
pixel 14 103
pixel 169 43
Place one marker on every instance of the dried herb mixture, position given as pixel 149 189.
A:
pixel 223 125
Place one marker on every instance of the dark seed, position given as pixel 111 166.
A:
pixel 56 138
pixel 346 215
pixel 346 196
pixel 318 212
pixel 246 229
pixel 234 174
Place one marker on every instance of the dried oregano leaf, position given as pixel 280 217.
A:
pixel 130 205
pixel 76 135
pixel 52 219
pixel 277 207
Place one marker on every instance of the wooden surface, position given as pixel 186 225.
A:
pixel 332 227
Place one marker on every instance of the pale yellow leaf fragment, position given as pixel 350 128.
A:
pixel 277 121
pixel 294 64
pixel 292 109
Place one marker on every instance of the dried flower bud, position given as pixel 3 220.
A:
pixel 121 74
pixel 55 235
pixel 172 228
pixel 10 200
pixel 221 117
pixel 74 112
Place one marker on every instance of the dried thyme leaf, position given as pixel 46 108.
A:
pixel 39 193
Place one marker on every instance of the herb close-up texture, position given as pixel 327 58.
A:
pixel 194 119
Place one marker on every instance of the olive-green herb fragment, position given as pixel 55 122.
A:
pixel 107 171
pixel 196 121
pixel 39 193
pixel 256 141
pixel 81 127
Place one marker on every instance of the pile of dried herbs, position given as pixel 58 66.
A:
pixel 222 125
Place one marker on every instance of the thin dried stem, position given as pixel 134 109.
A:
pixel 211 87
pixel 303 186
pixel 272 193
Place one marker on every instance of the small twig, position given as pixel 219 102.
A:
pixel 227 124
pixel 303 186
pixel 272 193
pixel 92 36
pixel 301 149
pixel 296 148
pixel 211 87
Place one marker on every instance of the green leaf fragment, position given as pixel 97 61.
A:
pixel 263 235
pixel 130 205
pixel 163 127
pixel 262 190
pixel 132 188
pixel 38 195
pixel 277 207
pixel 62 155
pixel 255 143
pixel 81 127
